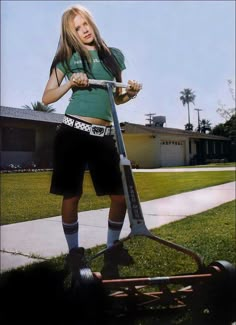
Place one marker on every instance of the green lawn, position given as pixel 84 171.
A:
pixel 226 164
pixel 25 196
pixel 211 234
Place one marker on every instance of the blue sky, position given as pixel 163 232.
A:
pixel 168 45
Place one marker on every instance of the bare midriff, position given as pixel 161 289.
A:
pixel 93 120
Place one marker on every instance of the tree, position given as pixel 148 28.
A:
pixel 225 112
pixel 205 125
pixel 219 129
pixel 227 129
pixel 187 97
pixel 38 106
pixel 189 126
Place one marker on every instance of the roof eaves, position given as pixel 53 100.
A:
pixel 163 130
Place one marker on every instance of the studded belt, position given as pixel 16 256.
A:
pixel 92 129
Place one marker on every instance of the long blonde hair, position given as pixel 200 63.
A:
pixel 70 43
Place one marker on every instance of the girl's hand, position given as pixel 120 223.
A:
pixel 133 88
pixel 79 80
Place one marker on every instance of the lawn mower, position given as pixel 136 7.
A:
pixel 208 292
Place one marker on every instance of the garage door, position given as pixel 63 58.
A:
pixel 172 153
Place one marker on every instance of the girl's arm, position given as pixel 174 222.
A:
pixel 54 91
pixel 131 92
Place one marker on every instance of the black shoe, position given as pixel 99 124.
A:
pixel 75 260
pixel 118 255
pixel 110 271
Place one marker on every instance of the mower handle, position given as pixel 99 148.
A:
pixel 106 82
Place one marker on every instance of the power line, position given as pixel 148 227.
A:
pixel 198 117
pixel 150 117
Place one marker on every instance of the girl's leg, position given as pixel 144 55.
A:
pixel 70 221
pixel 118 255
pixel 116 218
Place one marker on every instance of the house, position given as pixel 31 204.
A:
pixel 152 147
pixel 26 136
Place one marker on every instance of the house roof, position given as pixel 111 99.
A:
pixel 131 128
pixel 28 114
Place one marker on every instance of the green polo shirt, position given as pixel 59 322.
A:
pixel 93 101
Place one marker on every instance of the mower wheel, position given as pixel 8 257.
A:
pixel 88 292
pixel 215 299
pixel 227 270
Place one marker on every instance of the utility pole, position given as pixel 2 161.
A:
pixel 198 117
pixel 150 118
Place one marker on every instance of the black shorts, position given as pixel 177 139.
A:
pixel 76 151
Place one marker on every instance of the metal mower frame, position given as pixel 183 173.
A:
pixel 206 292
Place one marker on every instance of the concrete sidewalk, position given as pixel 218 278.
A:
pixel 28 242
pixel 184 169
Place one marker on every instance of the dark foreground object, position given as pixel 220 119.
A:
pixel 208 295
pixel 41 295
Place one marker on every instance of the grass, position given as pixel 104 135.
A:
pixel 226 164
pixel 210 234
pixel 25 196
pixel 40 289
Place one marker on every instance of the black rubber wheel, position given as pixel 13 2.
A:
pixel 214 300
pixel 87 279
pixel 88 293
pixel 225 269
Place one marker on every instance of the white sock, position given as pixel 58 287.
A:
pixel 71 231
pixel 113 233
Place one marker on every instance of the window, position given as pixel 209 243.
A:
pixel 207 147
pixel 16 139
pixel 221 147
pixel 175 143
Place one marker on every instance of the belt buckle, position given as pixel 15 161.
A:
pixel 97 130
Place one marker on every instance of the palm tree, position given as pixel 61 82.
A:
pixel 205 125
pixel 189 127
pixel 38 106
pixel 187 97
